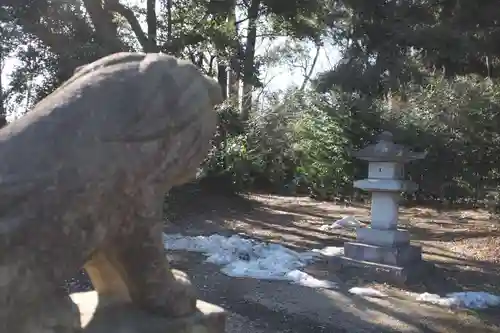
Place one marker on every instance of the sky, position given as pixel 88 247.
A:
pixel 276 78
pixel 281 77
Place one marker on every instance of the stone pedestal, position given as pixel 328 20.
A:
pixel 385 252
pixel 383 248
pixel 99 316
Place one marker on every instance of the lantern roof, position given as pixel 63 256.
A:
pixel 385 150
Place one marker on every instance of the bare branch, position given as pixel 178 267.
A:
pixel 128 14
pixel 173 46
pixel 271 35
pixel 307 78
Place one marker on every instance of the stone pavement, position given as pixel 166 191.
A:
pixel 274 306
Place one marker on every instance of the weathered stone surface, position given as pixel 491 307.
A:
pixel 399 255
pixel 82 181
pixel 104 316
pixel 382 247
pixel 382 237
pixel 397 275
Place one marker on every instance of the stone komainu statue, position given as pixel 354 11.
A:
pixel 82 180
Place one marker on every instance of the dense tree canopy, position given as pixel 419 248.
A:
pixel 427 70
pixel 210 33
pixel 388 44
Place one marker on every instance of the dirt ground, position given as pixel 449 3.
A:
pixel 463 245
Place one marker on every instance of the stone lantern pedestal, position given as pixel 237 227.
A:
pixel 383 247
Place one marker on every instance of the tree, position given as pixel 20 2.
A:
pixel 78 32
pixel 8 43
pixel 388 44
pixel 297 18
pixel 208 32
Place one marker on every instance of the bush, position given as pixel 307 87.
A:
pixel 320 155
pixel 295 148
pixel 301 145
pixel 458 122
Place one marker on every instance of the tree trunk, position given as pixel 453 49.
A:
pixel 3 109
pixel 222 79
pixel 307 78
pixel 234 70
pixel 101 15
pixel 29 84
pixel 129 15
pixel 102 19
pixel 152 26
pixel 248 61
pixel 169 21
pixel 224 72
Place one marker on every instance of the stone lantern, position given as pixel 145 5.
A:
pixel 382 246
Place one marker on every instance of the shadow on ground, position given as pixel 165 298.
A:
pixel 295 223
pixel 282 307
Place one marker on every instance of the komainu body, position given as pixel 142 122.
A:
pixel 82 180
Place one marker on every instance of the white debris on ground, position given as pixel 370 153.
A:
pixel 330 251
pixel 242 257
pixel 310 281
pixel 347 222
pixel 370 292
pixel 466 299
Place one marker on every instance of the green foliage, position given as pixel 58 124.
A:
pixel 407 67
pixel 301 146
pixel 210 33
pixel 321 156
pixel 457 122
pixel 388 45
pixel 297 147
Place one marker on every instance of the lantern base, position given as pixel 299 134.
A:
pixel 400 264
pixel 396 255
pixel 395 275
